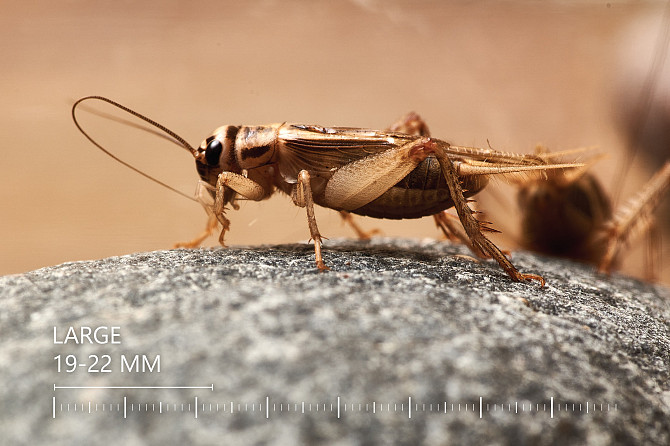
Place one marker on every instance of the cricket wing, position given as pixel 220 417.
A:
pixel 324 150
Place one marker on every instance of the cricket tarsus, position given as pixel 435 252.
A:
pixel 210 228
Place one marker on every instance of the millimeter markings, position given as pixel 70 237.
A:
pixel 268 407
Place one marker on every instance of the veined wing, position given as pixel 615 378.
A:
pixel 322 150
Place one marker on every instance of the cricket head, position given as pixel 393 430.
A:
pixel 216 155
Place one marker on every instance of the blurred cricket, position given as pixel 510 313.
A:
pixel 570 214
pixel 396 173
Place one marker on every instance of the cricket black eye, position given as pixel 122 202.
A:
pixel 213 152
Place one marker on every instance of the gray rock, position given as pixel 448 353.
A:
pixel 393 320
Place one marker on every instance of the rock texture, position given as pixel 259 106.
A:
pixel 396 325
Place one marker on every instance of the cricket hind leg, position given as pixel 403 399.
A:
pixel 473 237
pixel 446 223
pixel 474 227
pixel 413 124
pixel 302 196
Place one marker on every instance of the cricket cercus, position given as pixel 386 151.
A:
pixel 396 173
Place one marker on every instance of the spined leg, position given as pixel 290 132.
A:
pixel 357 184
pixel 446 222
pixel 302 196
pixel 413 124
pixel 472 226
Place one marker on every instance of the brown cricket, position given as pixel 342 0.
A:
pixel 396 173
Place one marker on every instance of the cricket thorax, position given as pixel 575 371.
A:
pixel 255 146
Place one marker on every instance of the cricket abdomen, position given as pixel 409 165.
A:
pixel 423 192
pixel 398 203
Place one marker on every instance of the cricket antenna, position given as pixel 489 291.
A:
pixel 173 137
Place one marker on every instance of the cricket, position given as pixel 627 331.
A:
pixel 398 173
pixel 570 215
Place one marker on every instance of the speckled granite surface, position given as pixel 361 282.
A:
pixel 395 325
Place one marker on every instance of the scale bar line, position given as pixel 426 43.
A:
pixel 210 387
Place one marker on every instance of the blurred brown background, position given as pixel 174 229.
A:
pixel 515 73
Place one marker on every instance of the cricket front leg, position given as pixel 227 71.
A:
pixel 205 199
pixel 226 180
pixel 472 226
pixel 302 196
pixel 242 185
